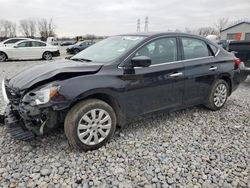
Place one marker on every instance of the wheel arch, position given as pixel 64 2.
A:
pixel 227 78
pixel 7 57
pixel 110 100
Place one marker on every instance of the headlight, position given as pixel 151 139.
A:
pixel 41 96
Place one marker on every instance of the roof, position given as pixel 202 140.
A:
pixel 235 26
pixel 151 34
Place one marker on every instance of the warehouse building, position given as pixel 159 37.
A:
pixel 240 31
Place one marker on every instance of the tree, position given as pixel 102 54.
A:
pixel 205 31
pixel 7 29
pixel 46 28
pixel 28 27
pixel 221 24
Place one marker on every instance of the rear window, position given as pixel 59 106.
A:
pixel 194 48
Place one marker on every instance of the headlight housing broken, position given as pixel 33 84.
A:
pixel 41 96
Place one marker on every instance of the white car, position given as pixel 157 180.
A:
pixel 28 49
pixel 11 41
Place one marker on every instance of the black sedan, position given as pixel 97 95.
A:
pixel 79 46
pixel 116 80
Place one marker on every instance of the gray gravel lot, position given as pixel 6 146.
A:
pixel 188 148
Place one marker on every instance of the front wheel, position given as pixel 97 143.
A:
pixel 76 51
pixel 3 57
pixel 90 124
pixel 218 95
pixel 47 56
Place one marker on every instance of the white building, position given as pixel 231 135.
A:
pixel 240 31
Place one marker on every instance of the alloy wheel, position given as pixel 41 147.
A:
pixel 2 57
pixel 94 126
pixel 220 95
pixel 47 56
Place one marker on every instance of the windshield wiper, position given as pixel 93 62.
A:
pixel 81 59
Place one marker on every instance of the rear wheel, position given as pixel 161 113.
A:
pixel 90 124
pixel 3 57
pixel 47 56
pixel 218 95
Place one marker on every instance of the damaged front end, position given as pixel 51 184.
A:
pixel 28 113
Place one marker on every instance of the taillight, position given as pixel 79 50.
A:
pixel 237 63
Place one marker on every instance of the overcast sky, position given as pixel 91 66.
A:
pixel 108 17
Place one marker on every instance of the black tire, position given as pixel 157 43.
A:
pixel 76 51
pixel 243 77
pixel 75 115
pixel 3 57
pixel 210 103
pixel 47 56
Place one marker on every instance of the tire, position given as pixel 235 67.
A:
pixel 47 56
pixel 80 130
pixel 3 57
pixel 76 51
pixel 243 77
pixel 211 101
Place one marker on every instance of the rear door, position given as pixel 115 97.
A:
pixel 160 85
pixel 38 48
pixel 201 69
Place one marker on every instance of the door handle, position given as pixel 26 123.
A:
pixel 213 68
pixel 176 74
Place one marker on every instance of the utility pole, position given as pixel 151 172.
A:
pixel 138 25
pixel 146 24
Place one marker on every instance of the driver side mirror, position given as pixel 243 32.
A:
pixel 141 61
pixel 15 46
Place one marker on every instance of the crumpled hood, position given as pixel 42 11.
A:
pixel 39 73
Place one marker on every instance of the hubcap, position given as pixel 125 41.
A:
pixel 94 126
pixel 47 56
pixel 2 57
pixel 220 95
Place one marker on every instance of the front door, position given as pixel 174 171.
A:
pixel 158 86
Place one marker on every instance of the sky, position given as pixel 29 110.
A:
pixel 110 17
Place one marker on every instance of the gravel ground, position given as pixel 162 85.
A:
pixel 188 148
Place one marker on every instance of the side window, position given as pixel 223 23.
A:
pixel 37 44
pixel 213 48
pixel 24 44
pixel 160 51
pixel 194 48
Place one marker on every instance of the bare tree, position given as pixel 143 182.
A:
pixel 221 24
pixel 205 31
pixel 28 27
pixel 46 28
pixel 7 29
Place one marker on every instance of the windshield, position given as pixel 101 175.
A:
pixel 109 49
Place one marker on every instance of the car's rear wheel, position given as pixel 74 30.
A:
pixel 76 51
pixel 3 57
pixel 218 95
pixel 90 124
pixel 47 56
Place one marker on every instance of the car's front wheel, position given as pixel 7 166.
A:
pixel 76 51
pixel 90 124
pixel 218 95
pixel 3 57
pixel 47 56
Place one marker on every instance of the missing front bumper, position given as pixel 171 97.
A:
pixel 15 127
